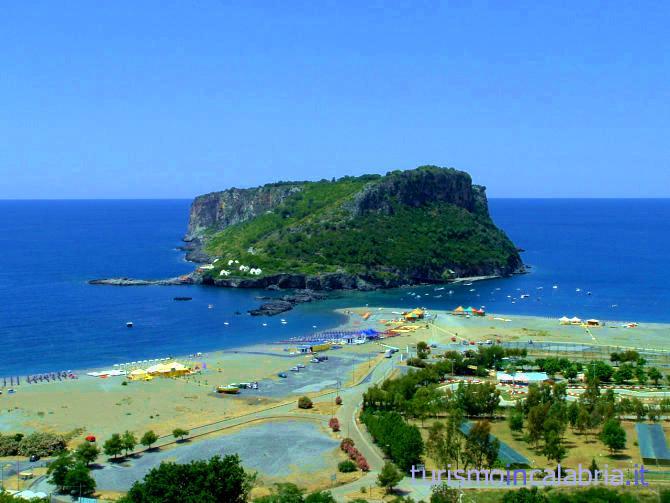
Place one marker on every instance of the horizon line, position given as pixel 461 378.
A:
pixel 33 199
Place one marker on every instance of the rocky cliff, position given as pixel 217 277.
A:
pixel 429 224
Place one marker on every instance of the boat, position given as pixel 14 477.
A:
pixel 183 298
pixel 210 306
pixel 228 390
pixel 129 324
pixel 525 296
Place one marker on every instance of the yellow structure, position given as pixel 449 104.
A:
pixel 320 347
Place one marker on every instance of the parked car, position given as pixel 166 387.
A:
pixel 34 458
pixel 283 375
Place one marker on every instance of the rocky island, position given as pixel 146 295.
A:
pixel 425 225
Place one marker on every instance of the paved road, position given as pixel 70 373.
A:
pixel 351 401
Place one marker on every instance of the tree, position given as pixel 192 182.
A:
pixel 113 446
pixel 480 448
pixel 86 452
pixel 389 477
pixel 443 494
pixel 583 422
pixel 553 447
pixel 422 350
pixel 284 492
pixel 179 434
pixel 535 423
pixel 320 497
pixel 525 495
pixel 148 439
pixel 79 481
pixel 58 470
pixel 219 479
pixel 613 435
pixel 304 402
pixel 516 421
pixel 655 375
pixel 129 441
pixel 594 467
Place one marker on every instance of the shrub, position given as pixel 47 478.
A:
pixel 304 403
pixel 416 362
pixel 9 445
pixel 338 400
pixel 363 464
pixel 334 424
pixel 347 466
pixel 42 444
pixel 346 442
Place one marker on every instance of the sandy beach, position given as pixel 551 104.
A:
pixel 104 406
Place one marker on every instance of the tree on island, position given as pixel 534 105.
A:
pixel 113 446
pixel 179 434
pixel 148 439
pixel 389 477
pixel 87 453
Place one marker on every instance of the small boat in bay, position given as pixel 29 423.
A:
pixel 183 298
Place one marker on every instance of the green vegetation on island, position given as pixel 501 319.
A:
pixel 422 225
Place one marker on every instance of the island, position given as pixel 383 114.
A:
pixel 425 225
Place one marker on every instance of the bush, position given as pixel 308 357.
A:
pixel 347 466
pixel 345 443
pixel 416 362
pixel 9 445
pixel 334 424
pixel 304 403
pixel 362 464
pixel 338 400
pixel 41 444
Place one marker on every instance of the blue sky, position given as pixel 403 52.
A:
pixel 176 98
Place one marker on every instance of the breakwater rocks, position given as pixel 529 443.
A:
pixel 181 280
pixel 285 303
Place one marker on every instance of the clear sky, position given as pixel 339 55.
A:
pixel 128 99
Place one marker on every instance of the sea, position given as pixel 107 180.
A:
pixel 600 258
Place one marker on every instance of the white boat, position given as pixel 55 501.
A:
pixel 129 324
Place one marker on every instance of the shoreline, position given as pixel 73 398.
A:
pixel 545 321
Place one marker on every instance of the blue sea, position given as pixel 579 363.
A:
pixel 51 319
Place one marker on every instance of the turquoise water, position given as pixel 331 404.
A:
pixel 51 319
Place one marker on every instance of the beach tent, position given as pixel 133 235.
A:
pixel 575 320
pixel 137 374
pixel 459 310
pixel 564 320
pixel 479 312
pixel 593 323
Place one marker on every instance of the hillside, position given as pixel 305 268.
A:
pixel 429 224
